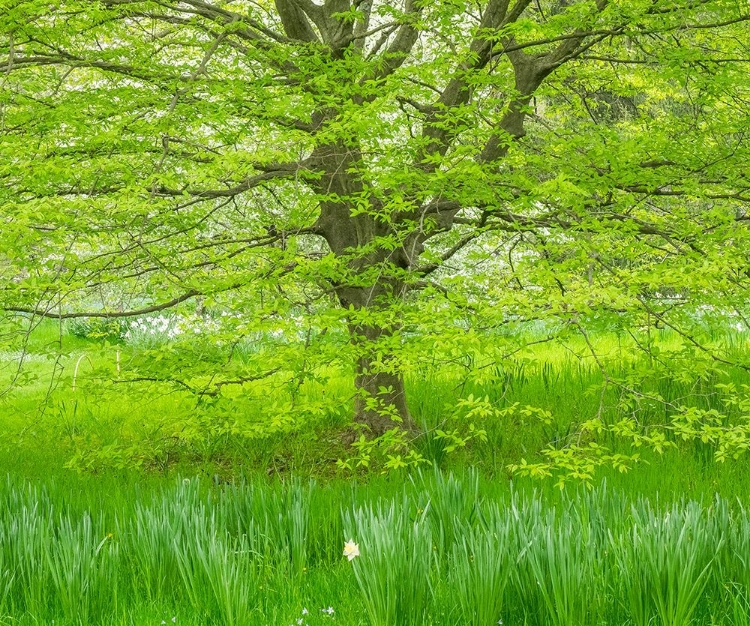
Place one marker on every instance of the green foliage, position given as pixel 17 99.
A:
pixel 550 404
pixel 98 328
pixel 559 570
pixel 482 565
pixel 393 572
pixel 359 196
pixel 665 561
pixel 83 570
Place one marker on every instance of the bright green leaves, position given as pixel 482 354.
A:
pixel 450 189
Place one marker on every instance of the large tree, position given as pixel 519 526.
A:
pixel 538 155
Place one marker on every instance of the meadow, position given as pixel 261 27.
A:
pixel 91 400
pixel 120 508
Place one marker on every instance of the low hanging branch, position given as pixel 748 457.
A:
pixel 154 308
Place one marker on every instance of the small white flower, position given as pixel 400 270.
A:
pixel 329 610
pixel 351 550
pixel 304 611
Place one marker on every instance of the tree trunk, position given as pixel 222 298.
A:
pixel 370 285
pixel 380 403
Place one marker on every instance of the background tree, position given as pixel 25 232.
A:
pixel 394 168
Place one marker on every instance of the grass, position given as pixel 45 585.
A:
pixel 292 425
pixel 231 510
pixel 241 555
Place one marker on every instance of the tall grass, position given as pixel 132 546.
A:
pixel 481 567
pixel 560 575
pixel 438 549
pixel 393 573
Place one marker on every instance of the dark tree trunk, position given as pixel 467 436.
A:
pixel 370 286
pixel 380 403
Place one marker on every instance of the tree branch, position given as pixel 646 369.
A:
pixel 103 314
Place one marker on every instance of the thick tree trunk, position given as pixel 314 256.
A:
pixel 370 285
pixel 380 403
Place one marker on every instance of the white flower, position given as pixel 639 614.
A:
pixel 351 550
pixel 304 611
pixel 329 610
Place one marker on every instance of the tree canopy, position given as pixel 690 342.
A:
pixel 412 174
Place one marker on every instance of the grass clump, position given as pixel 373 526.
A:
pixel 255 553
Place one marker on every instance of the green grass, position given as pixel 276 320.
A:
pixel 104 424
pixel 136 503
pixel 259 553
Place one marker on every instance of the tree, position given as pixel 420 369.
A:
pixel 582 157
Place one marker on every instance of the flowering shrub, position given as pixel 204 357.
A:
pixel 154 330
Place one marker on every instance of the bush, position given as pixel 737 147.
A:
pixel 99 328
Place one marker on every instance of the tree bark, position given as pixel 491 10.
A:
pixel 369 286
pixel 380 400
